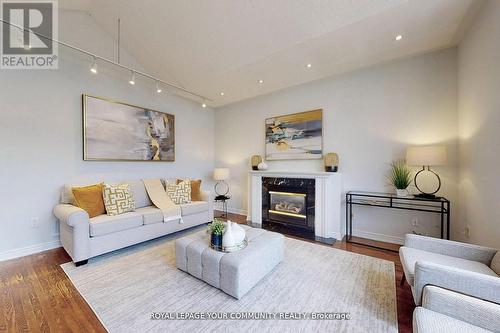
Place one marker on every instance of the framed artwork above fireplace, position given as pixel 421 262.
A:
pixel 295 136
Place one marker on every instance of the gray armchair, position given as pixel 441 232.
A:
pixel 447 311
pixel 465 268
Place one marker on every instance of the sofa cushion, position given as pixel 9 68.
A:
pixel 429 321
pixel 140 195
pixel 150 214
pixel 89 198
pixel 195 188
pixel 106 224
pixel 118 199
pixel 179 193
pixel 194 207
pixel 409 256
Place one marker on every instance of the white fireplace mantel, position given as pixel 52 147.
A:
pixel 328 188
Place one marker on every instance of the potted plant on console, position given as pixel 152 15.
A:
pixel 400 177
pixel 216 229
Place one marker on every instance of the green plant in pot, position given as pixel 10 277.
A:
pixel 400 177
pixel 216 229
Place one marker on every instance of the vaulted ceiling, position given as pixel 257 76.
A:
pixel 229 45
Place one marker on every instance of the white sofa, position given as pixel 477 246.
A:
pixel 83 237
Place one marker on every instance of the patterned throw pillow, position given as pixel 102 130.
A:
pixel 179 193
pixel 118 199
pixel 195 188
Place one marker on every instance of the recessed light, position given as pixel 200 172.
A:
pixel 222 93
pixel 261 81
pixel 399 37
pixel 309 65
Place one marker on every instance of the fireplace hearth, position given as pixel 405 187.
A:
pixel 288 205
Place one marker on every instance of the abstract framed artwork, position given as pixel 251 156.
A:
pixel 116 131
pixel 295 136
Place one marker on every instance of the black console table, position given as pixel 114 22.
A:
pixel 438 205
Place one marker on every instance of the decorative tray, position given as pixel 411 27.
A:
pixel 229 249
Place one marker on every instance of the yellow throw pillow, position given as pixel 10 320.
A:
pixel 89 198
pixel 118 199
pixel 179 193
pixel 195 189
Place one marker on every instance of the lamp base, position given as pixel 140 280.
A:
pixel 426 196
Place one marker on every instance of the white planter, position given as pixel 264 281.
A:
pixel 402 192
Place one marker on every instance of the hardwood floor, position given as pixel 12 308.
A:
pixel 37 296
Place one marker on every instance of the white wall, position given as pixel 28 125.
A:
pixel 370 116
pixel 41 134
pixel 479 115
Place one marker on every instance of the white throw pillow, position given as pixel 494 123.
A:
pixel 118 199
pixel 179 193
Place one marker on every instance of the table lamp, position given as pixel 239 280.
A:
pixel 221 187
pixel 426 156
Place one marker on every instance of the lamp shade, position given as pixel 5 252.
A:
pixel 426 155
pixel 221 174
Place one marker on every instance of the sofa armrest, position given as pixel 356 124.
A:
pixel 472 310
pixel 451 248
pixel 71 215
pixel 474 284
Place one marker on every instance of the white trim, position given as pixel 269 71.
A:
pixel 32 249
pixel 378 237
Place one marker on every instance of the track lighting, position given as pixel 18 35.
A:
pixel 203 105
pixel 158 89
pixel 93 69
pixel 132 78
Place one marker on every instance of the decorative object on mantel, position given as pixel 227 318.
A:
pixel 255 161
pixel 426 156
pixel 295 136
pixel 115 131
pixel 331 162
pixel 262 166
pixel 221 187
pixel 216 229
pixel 400 177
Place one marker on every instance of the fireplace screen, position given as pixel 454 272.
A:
pixel 288 204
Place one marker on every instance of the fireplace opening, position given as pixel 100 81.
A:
pixel 288 205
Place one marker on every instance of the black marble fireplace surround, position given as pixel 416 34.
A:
pixel 288 206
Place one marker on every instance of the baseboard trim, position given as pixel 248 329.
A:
pixel 237 211
pixel 26 251
pixel 378 237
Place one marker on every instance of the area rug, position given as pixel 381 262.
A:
pixel 139 289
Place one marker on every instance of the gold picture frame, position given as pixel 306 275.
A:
pixel 123 132
pixel 297 136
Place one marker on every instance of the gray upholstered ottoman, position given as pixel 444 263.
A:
pixel 234 273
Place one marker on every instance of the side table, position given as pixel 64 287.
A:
pixel 223 199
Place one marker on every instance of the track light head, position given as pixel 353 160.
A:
pixel 158 88
pixel 132 78
pixel 93 69
pixel 203 105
